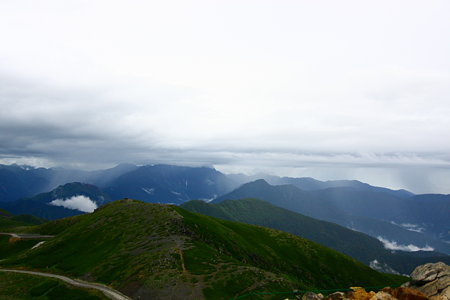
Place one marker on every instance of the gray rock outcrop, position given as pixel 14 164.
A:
pixel 433 280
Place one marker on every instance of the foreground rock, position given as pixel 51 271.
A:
pixel 433 280
pixel 358 293
pixel 430 281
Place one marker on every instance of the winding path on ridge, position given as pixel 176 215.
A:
pixel 109 292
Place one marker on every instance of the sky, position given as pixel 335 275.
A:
pixel 326 89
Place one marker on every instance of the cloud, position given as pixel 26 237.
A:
pixel 392 245
pixel 410 227
pixel 210 95
pixel 382 267
pixel 81 203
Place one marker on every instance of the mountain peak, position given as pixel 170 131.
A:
pixel 258 182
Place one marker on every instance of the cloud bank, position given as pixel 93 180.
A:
pixel 354 90
pixel 392 245
pixel 81 203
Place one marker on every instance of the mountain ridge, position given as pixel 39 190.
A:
pixel 332 205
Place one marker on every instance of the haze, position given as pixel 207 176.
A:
pixel 327 89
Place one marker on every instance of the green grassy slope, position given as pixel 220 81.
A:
pixel 11 247
pixel 355 244
pixel 23 286
pixel 157 251
pixel 8 220
pixel 253 211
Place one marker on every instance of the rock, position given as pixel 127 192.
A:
pixel 388 290
pixel 429 272
pixel 359 293
pixel 336 296
pixel 312 296
pixel 383 296
pixel 434 288
pixel 405 293
pixel 445 294
pixel 433 280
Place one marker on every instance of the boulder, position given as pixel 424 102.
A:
pixel 445 294
pixel 429 272
pixel 359 293
pixel 406 293
pixel 336 296
pixel 388 290
pixel 433 280
pixel 313 296
pixel 383 296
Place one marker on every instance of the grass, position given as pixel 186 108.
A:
pixel 12 247
pixel 9 221
pixel 24 286
pixel 310 265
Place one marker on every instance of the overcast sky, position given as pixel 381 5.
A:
pixel 328 89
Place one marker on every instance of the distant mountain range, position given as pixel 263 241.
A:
pixel 170 184
pixel 399 218
pixel 66 200
pixel 370 211
pixel 156 183
pixel 153 183
pixel 311 184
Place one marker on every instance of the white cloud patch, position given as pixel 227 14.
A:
pixel 81 203
pixel 393 245
pixel 376 265
pixel 413 227
pixel 410 227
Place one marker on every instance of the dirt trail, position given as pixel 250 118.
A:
pixel 180 252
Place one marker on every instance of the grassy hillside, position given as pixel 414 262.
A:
pixel 158 251
pixel 8 221
pixel 12 247
pixel 22 286
pixel 355 244
pixel 258 212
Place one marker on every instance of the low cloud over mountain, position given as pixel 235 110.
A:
pixel 393 245
pixel 81 203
